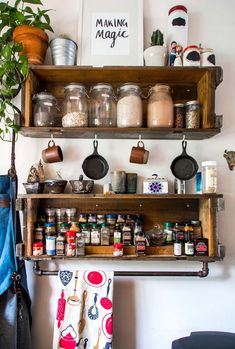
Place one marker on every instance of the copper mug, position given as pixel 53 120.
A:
pixel 52 153
pixel 139 155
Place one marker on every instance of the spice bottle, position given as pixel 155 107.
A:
pixel 178 248
pixel 44 110
pixel 201 247
pixel 160 109
pixel 60 245
pixel 50 245
pixel 80 244
pixel 140 244
pixel 179 115
pixel 167 229
pixel 102 107
pixel 209 177
pixel 126 235
pixel 192 114
pixel 95 234
pixel 118 249
pixel 75 107
pixel 86 232
pixel 117 235
pixel 37 248
pixel 104 234
pixel 129 106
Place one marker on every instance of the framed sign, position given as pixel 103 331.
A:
pixel 111 33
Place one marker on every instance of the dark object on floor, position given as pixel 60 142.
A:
pixel 206 340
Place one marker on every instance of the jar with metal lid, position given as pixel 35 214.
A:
pixel 82 218
pixel 111 218
pixel 85 228
pixel 50 215
pixel 50 229
pixel 192 114
pixel 60 245
pixel 95 234
pixel 64 228
pixel 179 115
pixel 37 248
pixel 80 244
pixel 129 106
pixel 102 107
pixel 92 218
pixel 75 106
pixel 209 177
pixel 71 214
pixel 160 108
pixel 74 226
pixel 50 245
pixel 104 234
pixel 60 215
pixel 44 113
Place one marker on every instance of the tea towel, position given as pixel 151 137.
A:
pixel 84 314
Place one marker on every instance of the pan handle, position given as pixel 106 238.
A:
pixel 184 146
pixel 95 145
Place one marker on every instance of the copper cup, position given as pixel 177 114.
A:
pixel 53 153
pixel 139 155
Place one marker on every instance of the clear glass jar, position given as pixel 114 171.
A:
pixel 209 177
pixel 85 228
pixel 192 114
pixel 104 234
pixel 44 112
pixel 129 106
pixel 160 108
pixel 80 244
pixel 95 234
pixel 102 108
pixel 75 106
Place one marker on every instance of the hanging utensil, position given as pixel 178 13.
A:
pixel 93 311
pixel 184 167
pixel 85 343
pixel 60 309
pixel 95 166
pixel 97 343
pixel 82 321
pixel 74 300
pixel 105 301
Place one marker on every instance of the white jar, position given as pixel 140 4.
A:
pixel 209 177
pixel 129 106
pixel 191 56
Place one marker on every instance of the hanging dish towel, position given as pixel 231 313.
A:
pixel 84 314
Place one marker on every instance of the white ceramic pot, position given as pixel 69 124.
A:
pixel 155 56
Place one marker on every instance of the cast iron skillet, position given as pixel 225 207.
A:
pixel 184 167
pixel 95 166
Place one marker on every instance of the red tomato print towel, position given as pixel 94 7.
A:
pixel 84 314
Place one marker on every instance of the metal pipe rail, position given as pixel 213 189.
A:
pixel 201 273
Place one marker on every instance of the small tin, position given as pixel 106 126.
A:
pixel 37 249
pixel 201 247
pixel 155 185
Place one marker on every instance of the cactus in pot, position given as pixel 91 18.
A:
pixel 155 55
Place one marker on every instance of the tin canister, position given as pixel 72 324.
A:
pixel 155 185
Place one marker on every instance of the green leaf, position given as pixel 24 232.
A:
pixel 36 2
pixel 7 51
pixel 28 10
pixel 20 17
pixel 3 6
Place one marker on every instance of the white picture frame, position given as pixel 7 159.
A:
pixel 110 33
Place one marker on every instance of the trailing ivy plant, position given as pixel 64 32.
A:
pixel 14 67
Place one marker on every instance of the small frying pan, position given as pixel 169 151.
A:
pixel 95 166
pixel 184 167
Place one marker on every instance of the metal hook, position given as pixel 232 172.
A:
pixel 51 135
pixel 184 138
pixel 95 137
pixel 140 139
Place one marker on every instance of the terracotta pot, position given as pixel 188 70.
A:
pixel 34 41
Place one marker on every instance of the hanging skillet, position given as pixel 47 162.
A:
pixel 184 167
pixel 95 166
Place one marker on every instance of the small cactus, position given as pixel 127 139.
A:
pixel 157 38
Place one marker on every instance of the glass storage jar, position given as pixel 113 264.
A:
pixel 192 116
pixel 209 177
pixel 75 106
pixel 129 106
pixel 160 108
pixel 44 112
pixel 102 108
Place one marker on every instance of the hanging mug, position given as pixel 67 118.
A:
pixel 139 155
pixel 52 153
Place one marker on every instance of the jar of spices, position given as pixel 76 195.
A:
pixel 192 114
pixel 82 218
pixel 179 115
pixel 118 249
pixel 111 218
pixel 50 229
pixel 209 177
pixel 140 244
pixel 71 213
pixel 117 234
pixel 100 218
pixel 160 109
pixel 70 247
pixel 75 106
pixel 39 232
pixel 129 106
pixel 70 236
pixel 50 245
pixel 86 232
pixel 178 248
pixel 64 227
pixel 126 235
pixel 95 234
pixel 60 245
pixel 50 214
pixel 167 229
pixel 60 214
pixel 74 226
pixel 102 108
pixel 104 234
pixel 37 248
pixel 44 112
pixel 92 218
pixel 80 244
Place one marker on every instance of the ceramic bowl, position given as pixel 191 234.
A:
pixel 55 186
pixel 34 188
pixel 81 186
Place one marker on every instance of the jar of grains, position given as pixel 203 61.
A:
pixel 179 115
pixel 129 106
pixel 75 107
pixel 160 109
pixel 102 108
pixel 44 109
pixel 192 117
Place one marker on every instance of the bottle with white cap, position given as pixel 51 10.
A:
pixel 209 177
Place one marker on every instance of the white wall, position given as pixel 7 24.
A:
pixel 151 312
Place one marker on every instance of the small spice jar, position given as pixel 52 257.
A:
pixel 179 115
pixel 60 215
pixel 129 106
pixel 39 232
pixel 37 249
pixel 50 214
pixel 140 244
pixel 80 244
pixel 102 107
pixel 86 232
pixel 111 218
pixel 44 110
pixel 160 110
pixel 50 229
pixel 209 177
pixel 82 218
pixel 70 236
pixel 192 114
pixel 92 218
pixel 60 245
pixel 118 249
pixel 70 213
pixel 95 234
pixel 50 245
pixel 104 234
pixel 74 226
pixel 75 106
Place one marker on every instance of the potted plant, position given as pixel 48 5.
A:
pixel 156 54
pixel 15 55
